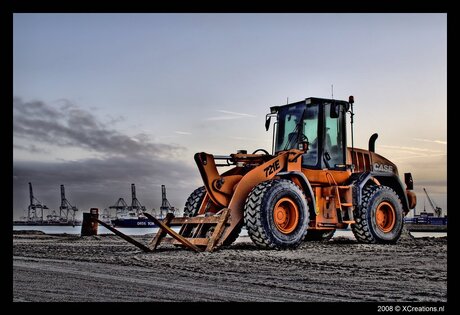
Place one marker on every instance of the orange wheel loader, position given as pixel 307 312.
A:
pixel 311 185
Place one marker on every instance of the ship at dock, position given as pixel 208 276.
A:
pixel 427 221
pixel 36 212
pixel 132 219
pixel 132 216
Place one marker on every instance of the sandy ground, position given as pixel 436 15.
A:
pixel 106 268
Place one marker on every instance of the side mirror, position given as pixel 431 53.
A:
pixel 409 181
pixel 267 122
pixel 335 110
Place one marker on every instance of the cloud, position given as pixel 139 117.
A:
pixel 247 139
pixel 70 126
pixel 412 152
pixel 432 141
pixel 100 182
pixel 438 184
pixel 419 156
pixel 183 132
pixel 235 113
pixel 93 182
pixel 32 148
pixel 229 115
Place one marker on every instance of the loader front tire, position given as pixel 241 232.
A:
pixel 192 206
pixel 193 203
pixel 379 219
pixel 276 214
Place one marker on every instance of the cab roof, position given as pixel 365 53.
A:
pixel 311 100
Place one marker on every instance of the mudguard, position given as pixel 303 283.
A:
pixel 359 180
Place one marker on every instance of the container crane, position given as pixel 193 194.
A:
pixel 32 211
pixel 66 207
pixel 120 206
pixel 437 210
pixel 165 205
pixel 136 206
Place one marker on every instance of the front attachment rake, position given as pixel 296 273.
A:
pixel 200 233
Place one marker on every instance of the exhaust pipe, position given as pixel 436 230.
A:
pixel 372 142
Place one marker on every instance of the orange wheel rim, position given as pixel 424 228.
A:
pixel 385 217
pixel 286 215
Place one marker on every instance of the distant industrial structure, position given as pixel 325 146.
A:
pixel 36 212
pixel 136 206
pixel 165 205
pixel 35 209
pixel 427 221
pixel 123 215
pixel 120 206
pixel 437 210
pixel 133 215
pixel 66 207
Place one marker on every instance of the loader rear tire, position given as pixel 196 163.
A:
pixel 319 235
pixel 276 214
pixel 379 219
pixel 193 203
pixel 192 206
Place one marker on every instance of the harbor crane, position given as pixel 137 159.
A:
pixel 35 208
pixel 119 206
pixel 66 207
pixel 437 210
pixel 165 205
pixel 136 206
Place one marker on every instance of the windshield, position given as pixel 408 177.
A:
pixel 291 128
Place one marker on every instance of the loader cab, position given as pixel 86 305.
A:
pixel 319 122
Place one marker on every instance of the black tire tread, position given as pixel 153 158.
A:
pixel 252 215
pixel 361 229
pixel 192 206
pixel 193 203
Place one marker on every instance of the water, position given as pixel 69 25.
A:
pixel 142 231
pixel 77 229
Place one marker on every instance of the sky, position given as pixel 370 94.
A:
pixel 105 100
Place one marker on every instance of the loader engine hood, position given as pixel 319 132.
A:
pixel 365 161
pixel 382 164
